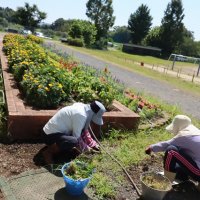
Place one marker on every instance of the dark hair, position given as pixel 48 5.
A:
pixel 95 108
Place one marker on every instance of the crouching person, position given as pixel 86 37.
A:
pixel 67 131
pixel 182 157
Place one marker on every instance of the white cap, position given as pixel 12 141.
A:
pixel 98 109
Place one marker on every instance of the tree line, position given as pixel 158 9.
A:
pixel 171 36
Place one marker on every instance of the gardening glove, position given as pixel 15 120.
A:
pixel 92 151
pixel 82 145
pixel 87 138
pixel 96 148
pixel 148 150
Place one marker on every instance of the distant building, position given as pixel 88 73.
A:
pixel 141 50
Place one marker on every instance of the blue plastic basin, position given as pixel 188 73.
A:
pixel 74 187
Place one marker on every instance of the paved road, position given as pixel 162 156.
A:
pixel 190 104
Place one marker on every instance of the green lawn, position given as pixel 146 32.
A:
pixel 119 56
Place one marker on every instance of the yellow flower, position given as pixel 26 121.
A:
pixel 50 85
pixel 60 85
pixel 47 89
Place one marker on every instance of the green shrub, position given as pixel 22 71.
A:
pixel 83 29
pixel 49 84
pixel 41 91
pixel 76 42
pixel 101 43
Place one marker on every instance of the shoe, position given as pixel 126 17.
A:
pixel 48 158
pixel 170 175
pixel 50 152
pixel 198 186
pixel 76 151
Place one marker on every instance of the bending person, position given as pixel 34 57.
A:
pixel 67 130
pixel 182 157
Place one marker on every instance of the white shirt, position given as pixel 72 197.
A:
pixel 69 120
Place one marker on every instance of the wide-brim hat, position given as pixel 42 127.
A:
pixel 179 123
pixel 98 109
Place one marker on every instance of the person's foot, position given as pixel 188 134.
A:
pixel 48 157
pixel 198 186
pixel 76 151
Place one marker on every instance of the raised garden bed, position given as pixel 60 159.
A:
pixel 24 122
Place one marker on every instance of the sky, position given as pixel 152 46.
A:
pixel 76 9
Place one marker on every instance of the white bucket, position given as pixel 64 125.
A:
pixel 150 193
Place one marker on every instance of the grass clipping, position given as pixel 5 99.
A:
pixel 156 181
pixel 78 170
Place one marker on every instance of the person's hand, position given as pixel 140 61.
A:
pixel 92 150
pixel 96 148
pixel 148 150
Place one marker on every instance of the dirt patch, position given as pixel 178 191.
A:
pixel 17 158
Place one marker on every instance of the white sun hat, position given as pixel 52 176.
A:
pixel 179 123
pixel 182 126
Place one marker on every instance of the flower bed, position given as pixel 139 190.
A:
pixel 56 79
pixel 48 77
pixel 26 122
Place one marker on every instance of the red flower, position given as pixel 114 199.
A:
pixel 140 104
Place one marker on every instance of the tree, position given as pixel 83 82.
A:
pixel 101 13
pixel 153 37
pixel 7 14
pixel 120 34
pixel 188 47
pixel 172 27
pixel 76 29
pixel 29 16
pixel 139 24
pixel 58 24
pixel 83 29
pixel 62 25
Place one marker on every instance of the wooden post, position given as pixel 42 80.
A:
pixel 193 77
pixel 198 70
pixel 173 62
